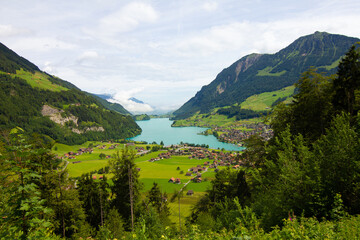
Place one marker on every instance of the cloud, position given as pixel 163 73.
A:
pixel 263 37
pixel 123 98
pixel 42 44
pixel 210 6
pixel 88 55
pixel 128 18
pixel 11 31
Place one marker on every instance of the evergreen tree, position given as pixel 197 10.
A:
pixel 24 214
pixel 126 188
pixel 94 197
pixel 347 83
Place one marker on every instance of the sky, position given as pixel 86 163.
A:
pixel 160 51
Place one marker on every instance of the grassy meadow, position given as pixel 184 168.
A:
pixel 159 171
pixel 264 101
pixel 38 79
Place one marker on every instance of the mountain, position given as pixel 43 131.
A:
pixel 102 98
pixel 258 73
pixel 46 105
pixel 136 100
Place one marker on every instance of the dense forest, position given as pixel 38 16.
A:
pixel 239 113
pixel 304 183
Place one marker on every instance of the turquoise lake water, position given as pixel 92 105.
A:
pixel 159 129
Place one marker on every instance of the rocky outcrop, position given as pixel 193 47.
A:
pixel 58 116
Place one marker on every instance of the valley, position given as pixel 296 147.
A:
pixel 268 150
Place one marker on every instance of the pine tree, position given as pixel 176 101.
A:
pixel 126 188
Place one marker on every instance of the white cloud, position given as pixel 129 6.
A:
pixel 263 37
pixel 88 55
pixel 42 44
pixel 11 31
pixel 128 18
pixel 123 98
pixel 210 6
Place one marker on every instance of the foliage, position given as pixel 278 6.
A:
pixel 239 113
pixel 94 197
pixel 126 186
pixel 24 214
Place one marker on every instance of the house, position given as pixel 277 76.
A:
pixel 190 193
pixel 188 174
pixel 172 180
pixel 177 180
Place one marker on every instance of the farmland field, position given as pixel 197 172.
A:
pixel 158 171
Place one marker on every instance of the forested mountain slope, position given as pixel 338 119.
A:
pixel 41 103
pixel 258 73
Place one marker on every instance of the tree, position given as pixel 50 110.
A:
pixel 347 83
pixel 158 201
pixel 24 212
pixel 178 194
pixel 94 197
pixel 338 153
pixel 311 110
pixel 126 188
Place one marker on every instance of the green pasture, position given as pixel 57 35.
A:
pixel 77 169
pixel 186 204
pixel 264 101
pixel 40 80
pixel 159 171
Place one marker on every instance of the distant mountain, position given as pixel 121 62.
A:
pixel 136 100
pixel 102 98
pixel 258 73
pixel 46 105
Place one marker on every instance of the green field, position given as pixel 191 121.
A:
pixel 158 171
pixel 264 101
pixel 38 79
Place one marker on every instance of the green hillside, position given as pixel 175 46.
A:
pixel 258 73
pixel 44 104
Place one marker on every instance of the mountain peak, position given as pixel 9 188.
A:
pixel 258 73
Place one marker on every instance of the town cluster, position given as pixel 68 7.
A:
pixel 238 136
pixel 219 159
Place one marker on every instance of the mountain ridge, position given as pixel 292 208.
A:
pixel 257 73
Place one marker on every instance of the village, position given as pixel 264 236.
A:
pixel 232 135
pixel 219 159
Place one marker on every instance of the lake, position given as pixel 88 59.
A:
pixel 159 129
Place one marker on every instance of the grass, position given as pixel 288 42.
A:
pixel 77 169
pixel 267 72
pixel 264 101
pixel 158 171
pixel 150 172
pixel 186 204
pixel 332 66
pixel 39 80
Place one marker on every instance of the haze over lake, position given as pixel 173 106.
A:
pixel 159 129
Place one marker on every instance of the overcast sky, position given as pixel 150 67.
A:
pixel 162 51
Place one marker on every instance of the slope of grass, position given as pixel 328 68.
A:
pixel 267 72
pixel 39 80
pixel 264 101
